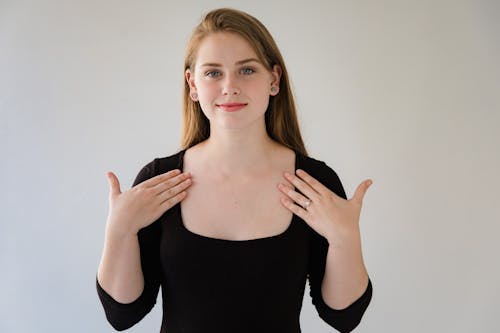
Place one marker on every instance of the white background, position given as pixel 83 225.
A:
pixel 403 92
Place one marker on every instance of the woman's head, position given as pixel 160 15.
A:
pixel 280 116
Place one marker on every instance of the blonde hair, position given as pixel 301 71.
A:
pixel 280 117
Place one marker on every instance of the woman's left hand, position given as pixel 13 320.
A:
pixel 331 216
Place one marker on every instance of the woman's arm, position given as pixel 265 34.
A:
pixel 120 272
pixel 348 315
pixel 128 278
pixel 133 272
pixel 339 285
pixel 346 278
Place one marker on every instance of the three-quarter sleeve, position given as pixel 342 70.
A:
pixel 124 315
pixel 344 320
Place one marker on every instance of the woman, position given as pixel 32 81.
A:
pixel 232 225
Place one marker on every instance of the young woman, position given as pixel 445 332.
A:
pixel 233 225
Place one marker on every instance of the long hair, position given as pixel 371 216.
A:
pixel 280 117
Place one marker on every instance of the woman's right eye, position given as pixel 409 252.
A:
pixel 212 74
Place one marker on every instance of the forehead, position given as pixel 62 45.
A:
pixel 224 48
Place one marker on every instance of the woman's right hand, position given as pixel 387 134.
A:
pixel 144 203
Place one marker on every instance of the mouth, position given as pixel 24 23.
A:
pixel 231 107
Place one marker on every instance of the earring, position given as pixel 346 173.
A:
pixel 194 96
pixel 274 89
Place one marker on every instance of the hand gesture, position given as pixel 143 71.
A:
pixel 144 203
pixel 329 215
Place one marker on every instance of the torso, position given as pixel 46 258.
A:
pixel 237 208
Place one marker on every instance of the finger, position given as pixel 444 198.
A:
pixel 160 178
pixel 361 190
pixel 296 197
pixel 311 181
pixel 167 184
pixel 297 210
pixel 114 183
pixel 171 202
pixel 301 185
pixel 174 190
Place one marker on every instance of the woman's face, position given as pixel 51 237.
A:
pixel 232 85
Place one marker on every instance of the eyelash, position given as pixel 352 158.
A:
pixel 208 73
pixel 250 68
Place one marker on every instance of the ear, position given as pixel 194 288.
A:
pixel 275 83
pixel 192 87
pixel 190 80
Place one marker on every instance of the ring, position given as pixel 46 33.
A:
pixel 307 204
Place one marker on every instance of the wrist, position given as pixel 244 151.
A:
pixel 117 231
pixel 346 239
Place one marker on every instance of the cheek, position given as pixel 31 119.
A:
pixel 206 90
pixel 263 93
pixel 207 94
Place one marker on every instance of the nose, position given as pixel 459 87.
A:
pixel 230 87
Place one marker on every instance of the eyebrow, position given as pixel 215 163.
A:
pixel 211 64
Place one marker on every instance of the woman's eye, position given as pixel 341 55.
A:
pixel 248 70
pixel 212 73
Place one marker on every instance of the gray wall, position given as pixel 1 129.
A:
pixel 405 93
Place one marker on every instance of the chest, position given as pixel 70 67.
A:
pixel 235 209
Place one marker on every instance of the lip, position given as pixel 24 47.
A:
pixel 231 107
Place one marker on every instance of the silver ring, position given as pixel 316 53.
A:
pixel 307 203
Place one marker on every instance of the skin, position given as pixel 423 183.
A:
pixel 337 220
pixel 238 145
pixel 120 273
pixel 220 77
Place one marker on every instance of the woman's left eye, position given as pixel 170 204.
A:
pixel 248 70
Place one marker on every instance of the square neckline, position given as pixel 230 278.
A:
pixel 180 166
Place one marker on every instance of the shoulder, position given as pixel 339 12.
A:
pixel 160 165
pixel 313 165
pixel 322 172
pixel 171 162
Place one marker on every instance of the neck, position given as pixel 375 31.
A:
pixel 233 152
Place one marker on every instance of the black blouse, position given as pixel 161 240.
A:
pixel 217 285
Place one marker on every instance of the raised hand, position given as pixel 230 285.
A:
pixel 144 203
pixel 329 215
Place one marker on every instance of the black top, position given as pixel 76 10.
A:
pixel 216 285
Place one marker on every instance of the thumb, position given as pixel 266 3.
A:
pixel 114 183
pixel 361 190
